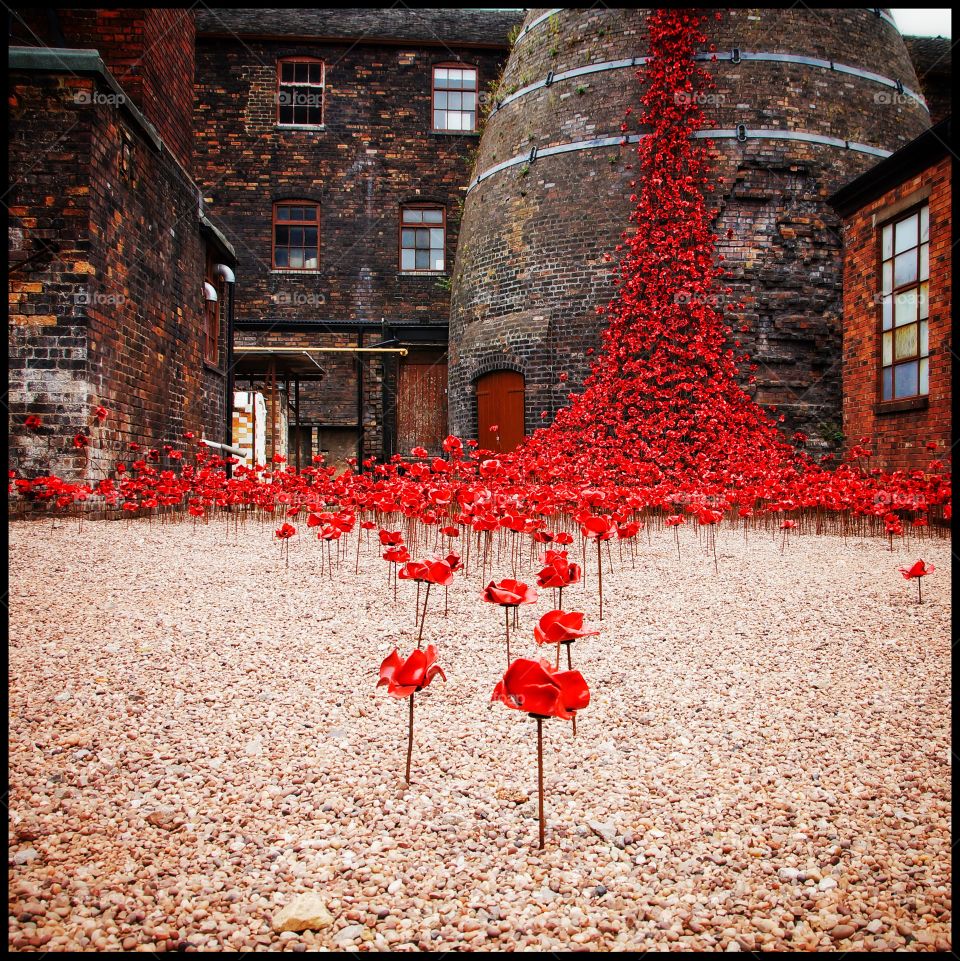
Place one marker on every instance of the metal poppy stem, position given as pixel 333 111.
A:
pixel 506 611
pixel 539 771
pixel 422 619
pixel 600 576
pixel 410 740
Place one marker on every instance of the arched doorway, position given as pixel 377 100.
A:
pixel 500 398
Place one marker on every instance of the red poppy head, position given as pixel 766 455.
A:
pixel 80 441
pixel 563 538
pixel 439 572
pixel 450 531
pixel 557 627
pixel 391 538
pixel 494 428
pixel 404 678
pixel 286 531
pixel 397 555
pixel 597 526
pixel 189 435
pixel 788 525
pixel 674 520
pixel 367 525
pixel 509 593
pixel 101 414
pixel 413 571
pixel 419 452
pixel 919 569
pixel 532 686
pixel 453 559
pixel 33 422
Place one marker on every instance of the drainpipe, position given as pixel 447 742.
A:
pixel 360 402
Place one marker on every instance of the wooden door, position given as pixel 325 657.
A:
pixel 500 400
pixel 422 405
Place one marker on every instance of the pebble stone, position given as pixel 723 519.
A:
pixel 196 740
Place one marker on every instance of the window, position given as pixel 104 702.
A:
pixel 213 298
pixel 905 306
pixel 455 98
pixel 296 240
pixel 423 233
pixel 300 92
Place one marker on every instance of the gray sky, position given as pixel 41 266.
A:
pixel 923 23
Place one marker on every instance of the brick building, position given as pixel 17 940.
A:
pixel 897 356
pixel 804 102
pixel 109 244
pixel 335 146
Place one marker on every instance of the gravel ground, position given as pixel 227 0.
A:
pixel 196 739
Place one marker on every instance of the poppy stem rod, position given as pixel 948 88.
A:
pixel 410 740
pixel 424 617
pixel 539 772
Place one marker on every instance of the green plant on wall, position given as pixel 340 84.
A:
pixel 831 432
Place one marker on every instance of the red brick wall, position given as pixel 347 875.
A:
pixel 899 438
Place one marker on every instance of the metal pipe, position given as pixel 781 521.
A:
pixel 230 450
pixel 360 402
pixel 228 430
pixel 402 351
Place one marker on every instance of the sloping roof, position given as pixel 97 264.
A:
pixel 918 155
pixel 465 26
pixel 930 55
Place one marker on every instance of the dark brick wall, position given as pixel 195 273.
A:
pixel 115 318
pixel 375 154
pixel 899 438
pixel 530 268
pixel 149 51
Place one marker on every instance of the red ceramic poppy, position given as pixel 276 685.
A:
pixel 919 569
pixel 286 531
pixel 558 627
pixel 101 414
pixel 33 422
pixel 391 538
pixel 406 677
pixel 397 555
pixel 559 572
pixel 413 571
pixel 438 572
pixel 534 687
pixel 509 593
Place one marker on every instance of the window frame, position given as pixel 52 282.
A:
pixel 401 227
pixel 212 316
pixel 458 65
pixel 322 87
pixel 277 204
pixel 909 401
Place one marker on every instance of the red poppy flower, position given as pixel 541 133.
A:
pixel 80 441
pixel 189 435
pixel 534 687
pixel 450 531
pixel 788 525
pixel 558 572
pixel 101 414
pixel 563 538
pixel 509 593
pixel 674 520
pixel 919 569
pixel 397 555
pixel 33 422
pixel 438 572
pixel 557 627
pixel 406 677
pixel 391 538
pixel 413 571
pixel 419 452
pixel 287 530
pixel 597 526
pixel 453 559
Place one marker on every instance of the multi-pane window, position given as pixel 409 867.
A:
pixel 296 235
pixel 905 306
pixel 422 238
pixel 454 98
pixel 300 92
